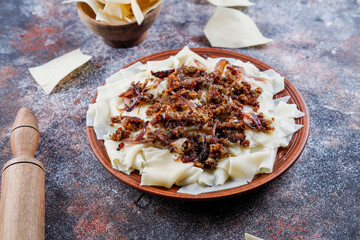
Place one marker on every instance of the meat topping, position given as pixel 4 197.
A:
pixel 198 115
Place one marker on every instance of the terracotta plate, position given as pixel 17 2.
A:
pixel 284 159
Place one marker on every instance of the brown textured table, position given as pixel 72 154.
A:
pixel 316 44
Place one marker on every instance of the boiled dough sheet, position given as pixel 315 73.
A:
pixel 137 11
pixel 251 237
pixel 231 3
pixel 230 28
pixel 51 73
pixel 115 12
pixel 93 4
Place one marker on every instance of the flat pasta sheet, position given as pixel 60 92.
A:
pixel 117 12
pixel 251 237
pixel 231 28
pixel 51 73
pixel 231 3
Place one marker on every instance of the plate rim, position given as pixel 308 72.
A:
pixel 302 135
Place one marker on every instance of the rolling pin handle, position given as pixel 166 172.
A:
pixel 24 137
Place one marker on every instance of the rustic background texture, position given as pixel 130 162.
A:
pixel 316 44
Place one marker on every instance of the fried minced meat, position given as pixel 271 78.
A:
pixel 199 114
pixel 136 94
pixel 133 123
pixel 120 134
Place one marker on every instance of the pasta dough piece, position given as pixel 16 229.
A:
pixel 196 188
pixel 127 159
pixel 213 177
pixel 256 139
pixel 160 87
pixel 230 28
pixel 137 11
pixel 151 152
pixel 127 12
pixel 125 73
pixel 189 177
pixel 267 165
pixel 207 178
pixel 277 81
pixel 287 127
pixel 104 17
pixel 108 91
pixel 248 67
pixel 90 115
pixel 51 73
pixel 285 110
pixel 114 103
pixel 155 66
pixel 235 149
pixel 187 57
pixel 148 5
pixel 141 113
pixel 251 237
pixel 119 1
pixel 130 153
pixel 246 166
pixel 117 12
pixel 267 103
pixel 99 116
pixel 114 10
pixel 139 162
pixel 116 157
pixel 231 3
pixel 93 4
pixel 224 163
pixel 184 173
pixel 282 99
pixel 163 172
pixel 220 176
pixel 114 89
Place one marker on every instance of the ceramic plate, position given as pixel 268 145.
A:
pixel 284 159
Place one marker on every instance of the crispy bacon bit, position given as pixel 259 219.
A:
pixel 141 103
pixel 141 134
pixel 204 153
pixel 162 74
pixel 220 66
pixel 121 146
pixel 133 123
pixel 134 95
pixel 190 104
pixel 120 134
pixel 190 84
pixel 258 122
pixel 235 70
pixel 177 145
pixel 116 119
pixel 200 65
pixel 198 115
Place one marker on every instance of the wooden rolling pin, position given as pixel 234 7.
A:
pixel 22 204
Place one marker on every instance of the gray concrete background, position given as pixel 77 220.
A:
pixel 316 45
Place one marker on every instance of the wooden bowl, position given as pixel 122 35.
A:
pixel 284 159
pixel 118 36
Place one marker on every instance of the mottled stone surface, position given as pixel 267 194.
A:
pixel 316 44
